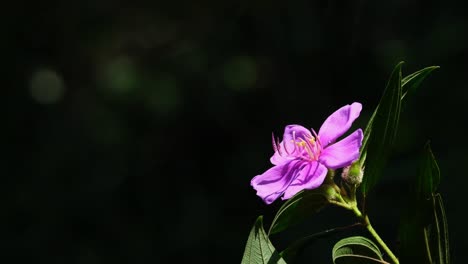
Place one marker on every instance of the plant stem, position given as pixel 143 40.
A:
pixel 352 205
pixel 376 236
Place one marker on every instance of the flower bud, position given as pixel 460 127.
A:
pixel 352 174
pixel 329 191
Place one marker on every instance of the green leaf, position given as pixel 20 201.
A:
pixel 259 249
pixel 299 245
pixel 356 249
pixel 413 235
pixel 411 82
pixel 429 174
pixel 300 206
pixel 387 113
pixel 424 229
pixel 441 241
pixel 424 237
pixel 381 131
pixel 365 140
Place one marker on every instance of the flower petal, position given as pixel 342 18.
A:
pixel 343 152
pixel 310 177
pixel 287 149
pixel 278 159
pixel 273 182
pixel 291 133
pixel 338 123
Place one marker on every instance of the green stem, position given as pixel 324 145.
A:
pixel 376 236
pixel 352 205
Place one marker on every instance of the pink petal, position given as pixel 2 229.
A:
pixel 338 123
pixel 291 132
pixel 310 177
pixel 343 152
pixel 287 149
pixel 278 159
pixel 272 183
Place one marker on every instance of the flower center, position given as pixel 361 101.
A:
pixel 307 147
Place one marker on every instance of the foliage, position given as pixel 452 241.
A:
pixel 423 232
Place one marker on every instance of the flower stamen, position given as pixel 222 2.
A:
pixel 275 147
pixel 308 148
pixel 319 143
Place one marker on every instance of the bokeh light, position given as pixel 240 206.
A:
pixel 46 86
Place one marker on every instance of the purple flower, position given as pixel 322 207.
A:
pixel 303 158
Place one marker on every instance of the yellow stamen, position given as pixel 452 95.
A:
pixel 312 140
pixel 306 146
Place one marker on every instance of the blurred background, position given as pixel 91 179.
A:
pixel 131 130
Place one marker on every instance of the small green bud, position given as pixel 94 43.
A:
pixel 352 174
pixel 329 191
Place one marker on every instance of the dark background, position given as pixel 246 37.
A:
pixel 131 130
